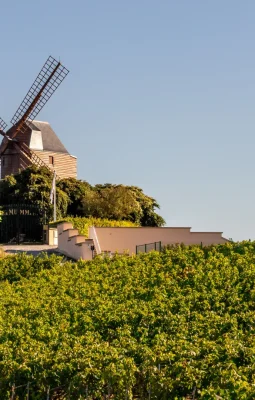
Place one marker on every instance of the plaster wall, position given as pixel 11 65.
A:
pixel 126 239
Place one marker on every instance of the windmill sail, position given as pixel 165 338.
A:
pixel 3 125
pixel 48 80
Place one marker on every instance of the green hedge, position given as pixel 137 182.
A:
pixel 83 224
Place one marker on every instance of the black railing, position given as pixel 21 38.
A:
pixel 146 248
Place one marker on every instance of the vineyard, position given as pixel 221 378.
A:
pixel 178 324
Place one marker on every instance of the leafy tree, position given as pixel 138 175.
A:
pixel 123 202
pixel 33 186
pixel 79 198
pixel 76 191
pixel 148 215
pixel 115 202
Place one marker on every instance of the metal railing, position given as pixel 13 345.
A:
pixel 147 247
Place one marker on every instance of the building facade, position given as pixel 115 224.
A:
pixel 38 145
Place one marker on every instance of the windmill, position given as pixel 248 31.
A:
pixel 30 142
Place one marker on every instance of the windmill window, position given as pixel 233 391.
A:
pixel 51 160
pixel 3 161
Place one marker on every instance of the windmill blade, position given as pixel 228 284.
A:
pixel 48 80
pixel 3 125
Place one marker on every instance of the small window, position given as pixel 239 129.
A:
pixel 51 160
pixel 3 161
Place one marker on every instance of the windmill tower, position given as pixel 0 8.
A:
pixel 29 142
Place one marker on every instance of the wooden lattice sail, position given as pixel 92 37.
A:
pixel 30 142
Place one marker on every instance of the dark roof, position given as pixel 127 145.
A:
pixel 49 138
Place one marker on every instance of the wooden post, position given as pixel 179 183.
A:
pixel 55 195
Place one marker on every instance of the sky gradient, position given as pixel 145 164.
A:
pixel 161 95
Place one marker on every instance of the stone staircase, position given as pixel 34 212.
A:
pixel 74 245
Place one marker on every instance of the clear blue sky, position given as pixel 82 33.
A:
pixel 161 94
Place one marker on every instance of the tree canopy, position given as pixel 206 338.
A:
pixel 79 198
